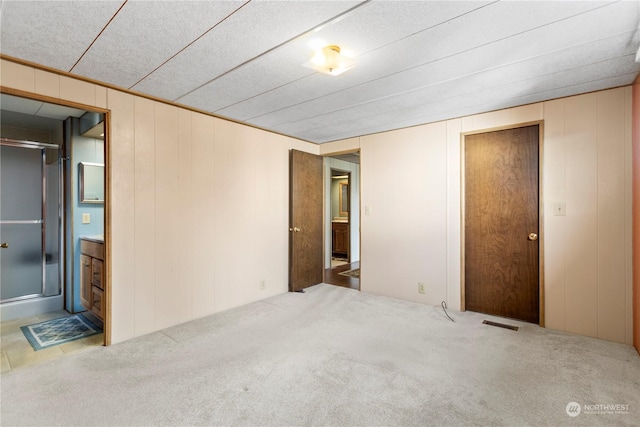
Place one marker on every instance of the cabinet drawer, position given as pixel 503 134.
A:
pixel 93 249
pixel 97 273
pixel 97 299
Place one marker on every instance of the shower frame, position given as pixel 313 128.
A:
pixel 42 146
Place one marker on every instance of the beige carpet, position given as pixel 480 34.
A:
pixel 332 357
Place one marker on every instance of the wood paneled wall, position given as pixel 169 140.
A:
pixel 413 231
pixel 199 205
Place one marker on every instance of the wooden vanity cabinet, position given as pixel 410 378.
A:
pixel 92 276
pixel 340 232
pixel 85 281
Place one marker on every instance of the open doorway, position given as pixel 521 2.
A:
pixel 339 193
pixel 47 143
pixel 342 220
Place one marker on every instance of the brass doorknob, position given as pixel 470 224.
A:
pixel 4 245
pixel 294 229
pixel 533 236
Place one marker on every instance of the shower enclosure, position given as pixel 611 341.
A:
pixel 30 228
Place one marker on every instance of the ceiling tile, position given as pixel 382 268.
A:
pixel 417 61
pixel 145 34
pixel 456 37
pixel 414 117
pixel 572 59
pixel 256 28
pixel 52 33
pixel 374 25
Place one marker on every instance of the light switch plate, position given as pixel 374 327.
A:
pixel 559 209
pixel 86 218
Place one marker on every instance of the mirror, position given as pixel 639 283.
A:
pixel 91 182
pixel 344 199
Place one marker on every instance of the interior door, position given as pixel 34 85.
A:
pixel 501 250
pixel 305 216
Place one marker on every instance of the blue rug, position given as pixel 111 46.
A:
pixel 58 331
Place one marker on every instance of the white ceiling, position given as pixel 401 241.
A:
pixel 417 61
pixel 32 114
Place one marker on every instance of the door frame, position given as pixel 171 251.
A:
pixel 327 212
pixel 352 197
pixel 463 136
pixel 107 190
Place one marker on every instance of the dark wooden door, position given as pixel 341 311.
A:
pixel 305 232
pixel 501 254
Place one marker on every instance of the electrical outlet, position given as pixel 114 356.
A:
pixel 421 287
pixel 263 285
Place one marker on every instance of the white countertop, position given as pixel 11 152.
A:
pixel 95 238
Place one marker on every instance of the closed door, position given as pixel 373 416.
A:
pixel 22 257
pixel 501 248
pixel 305 232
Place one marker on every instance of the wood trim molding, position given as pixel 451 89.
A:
pixel 107 231
pixel 107 200
pixel 51 100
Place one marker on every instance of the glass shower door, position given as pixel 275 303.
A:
pixel 22 258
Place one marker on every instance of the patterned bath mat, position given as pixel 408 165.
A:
pixel 351 273
pixel 58 331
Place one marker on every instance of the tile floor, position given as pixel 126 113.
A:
pixel 17 352
pixel 337 263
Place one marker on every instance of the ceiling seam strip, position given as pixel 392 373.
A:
pixel 436 25
pixel 480 72
pixel 99 34
pixel 433 61
pixel 346 135
pixel 439 100
pixel 366 53
pixel 329 21
pixel 189 44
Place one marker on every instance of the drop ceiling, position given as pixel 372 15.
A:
pixel 416 61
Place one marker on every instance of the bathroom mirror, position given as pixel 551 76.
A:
pixel 344 199
pixel 91 182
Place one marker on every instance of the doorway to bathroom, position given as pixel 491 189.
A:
pixel 42 181
pixel 342 220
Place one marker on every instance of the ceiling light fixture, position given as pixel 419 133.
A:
pixel 328 60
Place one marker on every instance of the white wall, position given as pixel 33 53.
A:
pixel 411 183
pixel 199 205
pixel 200 214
